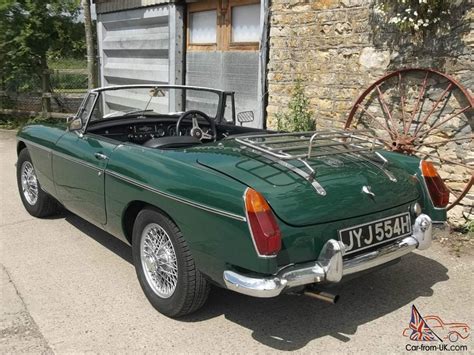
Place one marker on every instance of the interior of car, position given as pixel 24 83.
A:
pixel 163 116
pixel 169 131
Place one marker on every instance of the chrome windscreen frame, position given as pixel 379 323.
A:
pixel 223 98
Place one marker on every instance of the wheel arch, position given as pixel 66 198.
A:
pixel 19 147
pixel 131 212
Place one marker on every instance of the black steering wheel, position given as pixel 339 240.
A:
pixel 197 131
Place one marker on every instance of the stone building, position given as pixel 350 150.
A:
pixel 259 49
pixel 337 50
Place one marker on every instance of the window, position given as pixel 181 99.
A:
pixel 223 25
pixel 86 107
pixel 246 23
pixel 203 27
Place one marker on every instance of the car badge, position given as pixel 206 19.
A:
pixel 366 189
pixel 335 163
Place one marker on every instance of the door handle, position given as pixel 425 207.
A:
pixel 101 156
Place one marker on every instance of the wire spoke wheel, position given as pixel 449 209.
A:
pixel 425 113
pixel 29 183
pixel 159 260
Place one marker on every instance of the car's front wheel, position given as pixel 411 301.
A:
pixel 37 202
pixel 165 266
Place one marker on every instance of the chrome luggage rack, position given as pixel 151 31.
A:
pixel 287 148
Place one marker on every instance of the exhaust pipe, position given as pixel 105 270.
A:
pixel 323 296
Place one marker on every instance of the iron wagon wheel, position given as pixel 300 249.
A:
pixel 425 113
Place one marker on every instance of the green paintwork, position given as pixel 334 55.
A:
pixel 288 194
pixel 215 176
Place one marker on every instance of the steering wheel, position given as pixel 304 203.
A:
pixel 197 131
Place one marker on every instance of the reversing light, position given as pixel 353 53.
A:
pixel 439 193
pixel 262 223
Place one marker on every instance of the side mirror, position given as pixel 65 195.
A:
pixel 245 117
pixel 75 124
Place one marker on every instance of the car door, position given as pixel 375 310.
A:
pixel 78 167
pixel 79 162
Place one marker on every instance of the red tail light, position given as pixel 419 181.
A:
pixel 263 225
pixel 438 191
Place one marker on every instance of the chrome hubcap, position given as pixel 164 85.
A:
pixel 159 260
pixel 29 183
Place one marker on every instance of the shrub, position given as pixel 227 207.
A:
pixel 298 117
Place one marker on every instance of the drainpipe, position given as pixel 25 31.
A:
pixel 263 60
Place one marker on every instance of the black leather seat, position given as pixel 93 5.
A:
pixel 171 142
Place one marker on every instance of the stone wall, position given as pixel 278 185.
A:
pixel 337 48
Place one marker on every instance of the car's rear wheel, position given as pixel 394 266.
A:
pixel 165 266
pixel 37 202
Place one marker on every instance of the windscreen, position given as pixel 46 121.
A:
pixel 154 100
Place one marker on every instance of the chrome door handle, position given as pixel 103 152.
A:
pixel 101 156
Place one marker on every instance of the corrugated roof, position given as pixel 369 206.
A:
pixel 103 6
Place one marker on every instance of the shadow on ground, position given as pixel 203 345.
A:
pixel 290 322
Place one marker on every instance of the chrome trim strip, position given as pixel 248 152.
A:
pixel 316 185
pixel 176 198
pixel 27 141
pixel 77 161
pixel 157 85
pixel 380 256
pixel 380 167
pixel 139 184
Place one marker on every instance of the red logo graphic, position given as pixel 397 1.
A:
pixel 433 328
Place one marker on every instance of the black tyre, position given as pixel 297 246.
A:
pixel 165 267
pixel 37 202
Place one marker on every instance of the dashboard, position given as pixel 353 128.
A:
pixel 129 130
pixel 141 132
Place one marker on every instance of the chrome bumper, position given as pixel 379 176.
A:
pixel 330 266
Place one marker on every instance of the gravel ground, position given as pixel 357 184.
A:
pixel 67 286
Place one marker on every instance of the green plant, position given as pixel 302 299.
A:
pixel 31 31
pixel 470 228
pixel 298 117
pixel 416 15
pixel 17 122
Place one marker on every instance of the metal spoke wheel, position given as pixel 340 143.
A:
pixel 35 200
pixel 159 260
pixel 425 113
pixel 29 183
pixel 165 266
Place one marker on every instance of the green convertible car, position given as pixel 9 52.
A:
pixel 204 200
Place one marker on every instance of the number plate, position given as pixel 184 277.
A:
pixel 367 235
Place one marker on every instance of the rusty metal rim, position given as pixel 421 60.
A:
pixel 376 85
pixel 395 73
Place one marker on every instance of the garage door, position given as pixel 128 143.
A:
pixel 134 47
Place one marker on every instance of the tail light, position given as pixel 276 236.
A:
pixel 263 225
pixel 438 191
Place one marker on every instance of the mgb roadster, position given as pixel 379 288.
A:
pixel 203 199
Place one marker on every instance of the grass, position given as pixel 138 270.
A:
pixel 68 63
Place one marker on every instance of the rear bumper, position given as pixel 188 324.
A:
pixel 330 266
